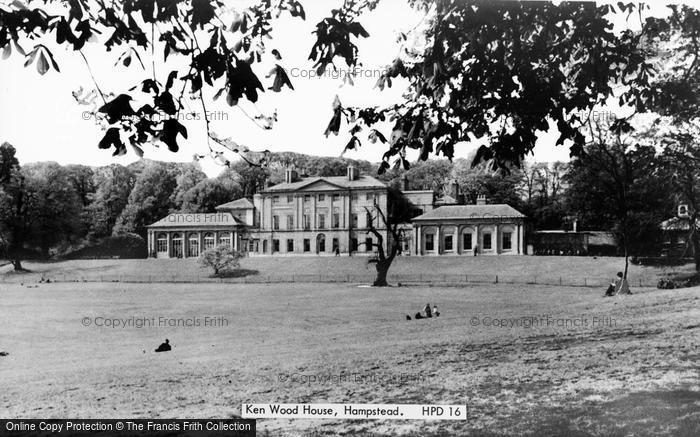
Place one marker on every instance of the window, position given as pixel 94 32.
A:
pixel 322 221
pixel 353 220
pixel 275 246
pixel 307 198
pixel 275 222
pixel 368 244
pixel 368 220
pixel 487 240
pixel 336 220
pixel 275 199
pixel 321 243
pixel 336 197
pixel 370 197
pixel 429 242
pixel 335 244
pixel 253 246
pixel 225 239
pixel 467 241
pixel 208 241
pixel 353 244
pixel 290 199
pixel 448 242
pixel 264 246
pixel 507 240
pixel 321 197
pixel 290 222
pixel 307 245
pixel 290 245
pixel 177 246
pixel 307 222
pixel 353 197
pixel 162 243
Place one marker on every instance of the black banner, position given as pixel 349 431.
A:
pixel 127 427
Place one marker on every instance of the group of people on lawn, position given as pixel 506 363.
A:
pixel 427 313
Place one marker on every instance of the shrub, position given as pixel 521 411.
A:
pixel 222 259
pixel 118 246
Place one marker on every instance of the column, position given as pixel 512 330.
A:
pixel 170 244
pixel 438 238
pixel 200 235
pixel 497 232
pixel 234 237
pixel 521 235
pixel 477 238
pixel 185 244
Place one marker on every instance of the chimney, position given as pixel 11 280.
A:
pixel 481 199
pixel 353 173
pixel 454 190
pixel 404 182
pixel 290 175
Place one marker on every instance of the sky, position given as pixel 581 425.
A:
pixel 41 118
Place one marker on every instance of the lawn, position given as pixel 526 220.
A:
pixel 520 269
pixel 636 376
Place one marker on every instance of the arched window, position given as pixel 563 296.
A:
pixel 193 246
pixel 208 241
pixel 162 243
pixel 225 239
pixel 177 246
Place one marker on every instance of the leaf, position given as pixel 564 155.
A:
pixel 171 128
pixel 202 12
pixel 110 139
pixel 281 79
pixel 118 108
pixel 42 65
pixel 171 78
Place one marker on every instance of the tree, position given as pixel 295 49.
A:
pixel 114 184
pixel 495 70
pixel 208 194
pixel 222 259
pixel 14 212
pixel 190 175
pixel 54 208
pixel 543 188
pixel 149 200
pixel 391 221
pixel 617 183
pixel 681 162
pixel 8 162
pixel 497 185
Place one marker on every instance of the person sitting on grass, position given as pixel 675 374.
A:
pixel 621 284
pixel 436 313
pixel 164 347
pixel 611 289
pixel 428 311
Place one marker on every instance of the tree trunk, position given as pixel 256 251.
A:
pixel 17 264
pixel 382 271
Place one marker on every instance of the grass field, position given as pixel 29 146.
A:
pixel 519 269
pixel 636 376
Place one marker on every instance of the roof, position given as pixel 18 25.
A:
pixel 471 212
pixel 210 220
pixel 242 203
pixel 341 182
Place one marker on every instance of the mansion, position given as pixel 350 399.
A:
pixel 331 215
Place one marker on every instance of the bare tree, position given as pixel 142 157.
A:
pixel 396 236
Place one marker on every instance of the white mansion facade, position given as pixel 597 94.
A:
pixel 329 215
